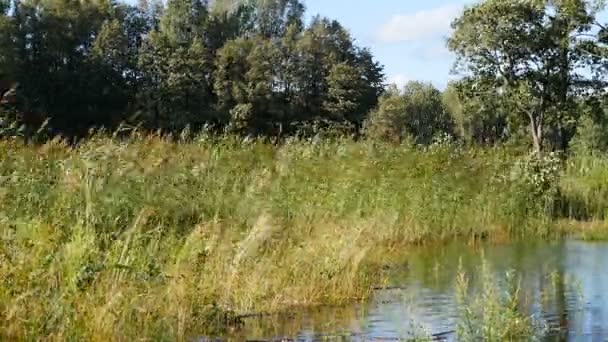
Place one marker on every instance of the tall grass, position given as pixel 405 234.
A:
pixel 583 201
pixel 585 185
pixel 146 237
pixel 495 312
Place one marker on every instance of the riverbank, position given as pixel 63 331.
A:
pixel 531 290
pixel 151 238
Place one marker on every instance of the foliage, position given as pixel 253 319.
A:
pixel 7 56
pixel 592 131
pixel 539 175
pixel 257 68
pixel 483 121
pixel 143 236
pixel 584 187
pixel 253 65
pixel 9 128
pixel 416 111
pixel 494 315
pixel 530 54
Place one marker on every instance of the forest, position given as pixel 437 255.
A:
pixel 528 71
pixel 249 67
pixel 176 170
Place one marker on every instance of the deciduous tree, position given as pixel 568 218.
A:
pixel 528 51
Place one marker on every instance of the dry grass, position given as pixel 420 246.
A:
pixel 149 238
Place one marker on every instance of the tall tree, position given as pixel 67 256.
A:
pixel 273 17
pixel 345 88
pixel 249 64
pixel 324 44
pixel 183 21
pixel 230 83
pixel 177 67
pixel 7 46
pixel 54 39
pixel 529 51
pixel 7 49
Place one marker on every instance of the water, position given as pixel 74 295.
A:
pixel 573 275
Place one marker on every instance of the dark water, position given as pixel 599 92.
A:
pixel 565 283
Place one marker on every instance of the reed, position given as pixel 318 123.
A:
pixel 155 238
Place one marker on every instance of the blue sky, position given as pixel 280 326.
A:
pixel 407 36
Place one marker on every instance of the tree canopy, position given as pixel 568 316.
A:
pixel 534 57
pixel 251 66
pixel 532 68
pixel 415 112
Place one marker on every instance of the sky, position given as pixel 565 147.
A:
pixel 407 36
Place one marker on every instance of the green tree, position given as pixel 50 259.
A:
pixel 346 87
pixel 252 64
pixel 7 45
pixel 387 122
pixel 247 85
pixel 273 17
pixel 177 68
pixel 230 82
pixel 477 120
pixel 322 46
pixel 112 64
pixel 373 77
pixel 226 23
pixel 529 52
pixel 54 39
pixel 353 88
pixel 416 112
pixel 263 90
pixel 592 130
pixel 267 85
pixel 7 62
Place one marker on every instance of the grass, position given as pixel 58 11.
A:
pixel 583 202
pixel 150 238
pixel 585 187
pixel 494 312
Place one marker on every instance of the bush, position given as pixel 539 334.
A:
pixel 495 314
pixel 9 128
pixel 591 137
pixel 539 176
pixel 417 111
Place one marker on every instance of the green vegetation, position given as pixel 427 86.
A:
pixel 495 314
pixel 416 112
pixel 252 67
pixel 584 196
pixel 530 68
pixel 522 63
pixel 270 166
pixel 151 237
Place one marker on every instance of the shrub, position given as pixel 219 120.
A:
pixel 416 111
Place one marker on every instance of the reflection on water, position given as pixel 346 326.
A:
pixel 565 284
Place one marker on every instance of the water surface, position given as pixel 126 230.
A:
pixel 421 297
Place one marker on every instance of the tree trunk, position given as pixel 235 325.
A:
pixel 536 128
pixel 156 116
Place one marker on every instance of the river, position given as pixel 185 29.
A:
pixel 420 296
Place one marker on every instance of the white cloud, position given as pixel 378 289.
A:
pixel 425 24
pixel 399 80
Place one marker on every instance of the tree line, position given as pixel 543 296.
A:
pixel 528 69
pixel 250 66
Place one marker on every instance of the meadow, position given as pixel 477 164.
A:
pixel 163 239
